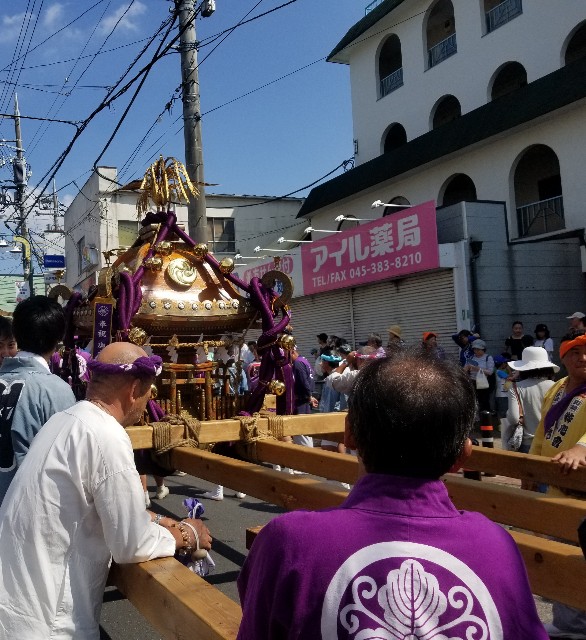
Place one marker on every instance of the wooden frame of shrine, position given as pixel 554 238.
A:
pixel 557 570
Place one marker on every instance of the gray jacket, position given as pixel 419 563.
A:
pixel 29 395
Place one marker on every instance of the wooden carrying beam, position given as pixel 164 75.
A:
pixel 556 570
pixel 229 430
pixel 176 602
pixel 275 487
pixel 525 467
pixel 557 517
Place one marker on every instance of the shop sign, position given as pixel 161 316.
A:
pixel 391 247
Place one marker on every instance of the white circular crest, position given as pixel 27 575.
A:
pixel 410 604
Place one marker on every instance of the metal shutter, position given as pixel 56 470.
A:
pixel 418 303
pixel 323 313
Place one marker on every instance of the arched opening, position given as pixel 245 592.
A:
pixel 390 66
pixel 348 223
pixel 400 203
pixel 440 33
pixel 538 192
pixel 445 110
pixel 459 188
pixel 499 12
pixel 395 137
pixel 576 47
pixel 510 77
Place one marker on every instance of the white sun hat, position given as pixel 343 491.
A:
pixel 533 358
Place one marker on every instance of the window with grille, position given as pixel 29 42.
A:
pixel 221 235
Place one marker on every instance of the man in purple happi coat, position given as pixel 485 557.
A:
pixel 397 560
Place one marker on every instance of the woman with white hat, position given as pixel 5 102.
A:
pixel 526 395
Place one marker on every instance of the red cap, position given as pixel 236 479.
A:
pixel 428 334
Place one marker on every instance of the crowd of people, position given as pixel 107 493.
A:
pixel 395 560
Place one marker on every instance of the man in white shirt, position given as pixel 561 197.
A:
pixel 76 502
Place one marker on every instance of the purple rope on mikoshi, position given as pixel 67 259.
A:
pixel 143 367
pixel 274 363
pixel 156 413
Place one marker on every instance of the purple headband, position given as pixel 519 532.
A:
pixel 143 367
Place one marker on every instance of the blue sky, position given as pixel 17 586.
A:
pixel 271 142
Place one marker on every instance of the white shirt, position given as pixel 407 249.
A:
pixel 75 502
pixel 531 393
pixel 342 382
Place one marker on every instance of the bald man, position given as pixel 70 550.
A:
pixel 77 502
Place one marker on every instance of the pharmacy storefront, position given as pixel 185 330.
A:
pixel 385 272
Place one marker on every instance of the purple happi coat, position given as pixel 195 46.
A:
pixel 396 561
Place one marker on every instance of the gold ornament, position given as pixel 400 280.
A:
pixel 137 336
pixel 287 342
pixel 154 392
pixel 200 251
pixel 277 387
pixel 226 265
pixel 164 182
pixel 154 264
pixel 164 248
pixel 182 272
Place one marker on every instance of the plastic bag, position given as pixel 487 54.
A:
pixel 516 440
pixel 204 566
pixel 481 380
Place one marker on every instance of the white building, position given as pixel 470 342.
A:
pixel 478 105
pixel 103 217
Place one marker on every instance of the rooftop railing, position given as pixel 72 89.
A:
pixel 372 5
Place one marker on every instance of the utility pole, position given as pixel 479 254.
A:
pixel 196 209
pixel 20 181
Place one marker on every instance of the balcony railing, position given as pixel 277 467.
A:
pixel 541 217
pixel 372 5
pixel 391 82
pixel 442 50
pixel 502 13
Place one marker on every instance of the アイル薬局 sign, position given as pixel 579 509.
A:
pixel 393 246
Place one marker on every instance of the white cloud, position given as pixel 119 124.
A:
pixel 52 16
pixel 10 26
pixel 128 22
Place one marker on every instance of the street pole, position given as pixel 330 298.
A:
pixel 20 178
pixel 196 209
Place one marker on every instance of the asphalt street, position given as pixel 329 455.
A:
pixel 228 521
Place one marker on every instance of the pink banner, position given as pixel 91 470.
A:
pixel 393 246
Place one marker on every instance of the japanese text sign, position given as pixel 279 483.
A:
pixel 102 324
pixel 393 246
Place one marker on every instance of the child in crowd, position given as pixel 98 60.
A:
pixel 8 346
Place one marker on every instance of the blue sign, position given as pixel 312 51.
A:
pixel 54 262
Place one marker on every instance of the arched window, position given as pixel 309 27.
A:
pixel 458 188
pixel 445 110
pixel 440 33
pixel 538 192
pixel 400 201
pixel 576 47
pixel 509 77
pixel 499 12
pixel 395 137
pixel 390 66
